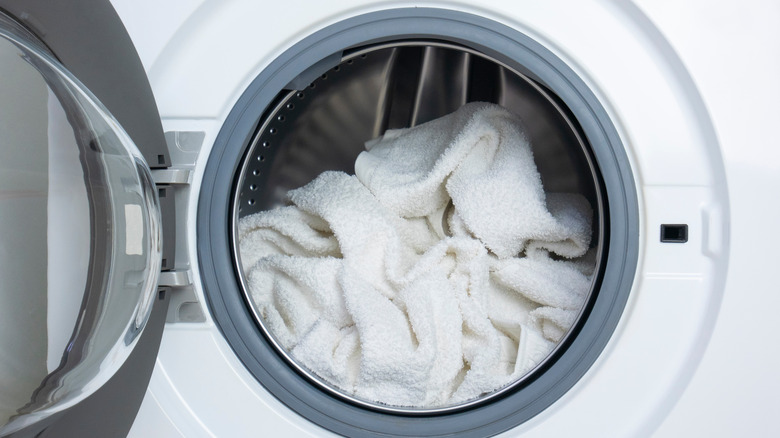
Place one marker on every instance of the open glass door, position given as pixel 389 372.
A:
pixel 80 239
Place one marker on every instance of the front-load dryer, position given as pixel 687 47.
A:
pixel 625 101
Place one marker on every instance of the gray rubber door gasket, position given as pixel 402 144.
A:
pixel 516 50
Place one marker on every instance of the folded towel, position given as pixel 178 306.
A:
pixel 427 278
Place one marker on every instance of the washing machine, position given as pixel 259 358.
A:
pixel 137 135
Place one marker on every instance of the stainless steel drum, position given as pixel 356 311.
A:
pixel 324 125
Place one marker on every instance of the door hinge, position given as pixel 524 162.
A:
pixel 167 180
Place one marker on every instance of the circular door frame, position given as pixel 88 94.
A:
pixel 100 59
pixel 517 50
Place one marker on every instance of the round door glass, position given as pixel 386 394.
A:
pixel 79 236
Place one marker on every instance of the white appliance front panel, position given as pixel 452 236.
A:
pixel 668 94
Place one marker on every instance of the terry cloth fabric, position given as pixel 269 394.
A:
pixel 439 272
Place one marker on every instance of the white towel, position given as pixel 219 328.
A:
pixel 478 157
pixel 426 279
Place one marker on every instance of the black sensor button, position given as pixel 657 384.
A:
pixel 674 233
